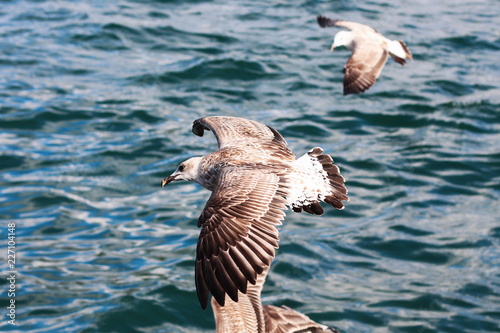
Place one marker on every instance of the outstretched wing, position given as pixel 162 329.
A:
pixel 239 236
pixel 325 22
pixel 364 66
pixel 244 133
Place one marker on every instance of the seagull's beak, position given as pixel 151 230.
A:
pixel 168 180
pixel 332 47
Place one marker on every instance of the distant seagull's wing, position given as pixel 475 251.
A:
pixel 239 236
pixel 325 22
pixel 245 134
pixel 364 66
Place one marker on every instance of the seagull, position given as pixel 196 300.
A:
pixel 370 51
pixel 253 178
pixel 249 315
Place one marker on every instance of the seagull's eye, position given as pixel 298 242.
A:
pixel 181 168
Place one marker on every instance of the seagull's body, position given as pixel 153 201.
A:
pixel 253 177
pixel 248 315
pixel 370 51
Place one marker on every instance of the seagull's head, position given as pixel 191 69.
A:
pixel 187 170
pixel 342 38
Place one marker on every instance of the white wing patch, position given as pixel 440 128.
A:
pixel 309 182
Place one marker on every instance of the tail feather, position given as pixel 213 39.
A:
pixel 318 180
pixel 399 51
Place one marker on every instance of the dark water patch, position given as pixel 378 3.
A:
pixel 286 269
pixel 44 14
pixel 424 302
pixel 485 109
pixel 61 225
pixel 192 38
pixel 477 290
pixel 460 323
pixel 309 130
pixel 362 265
pixel 428 203
pixel 394 196
pixel 301 86
pixel 48 199
pixel 128 32
pixel 100 40
pixel 344 249
pixel 11 161
pixel 403 249
pixel 420 108
pixel 178 100
pixel 233 95
pixel 411 231
pixel 131 315
pixel 453 190
pixel 22 124
pixel 156 14
pixel 495 315
pixel 387 120
pixel 297 249
pixel 113 126
pixel 495 232
pixel 175 300
pixel 466 44
pixel 18 62
pixel 115 102
pixel 451 88
pixel 364 317
pixel 410 328
pixel 16 85
pixel 145 116
pixel 400 93
pixel 225 69
pixel 207 51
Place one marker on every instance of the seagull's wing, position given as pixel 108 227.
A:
pixel 285 320
pixel 246 315
pixel 243 133
pixel 364 66
pixel 239 236
pixel 325 22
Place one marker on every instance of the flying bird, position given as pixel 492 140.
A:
pixel 370 51
pixel 253 178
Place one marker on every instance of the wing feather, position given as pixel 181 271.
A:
pixel 364 67
pixel 239 236
pixel 244 133
pixel 325 22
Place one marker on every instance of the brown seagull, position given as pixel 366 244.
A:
pixel 253 177
pixel 370 51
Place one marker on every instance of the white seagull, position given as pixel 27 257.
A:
pixel 370 51
pixel 253 177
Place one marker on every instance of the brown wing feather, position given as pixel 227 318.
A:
pixel 364 67
pixel 239 132
pixel 325 22
pixel 238 237
pixel 286 320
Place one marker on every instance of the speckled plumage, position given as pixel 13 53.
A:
pixel 253 177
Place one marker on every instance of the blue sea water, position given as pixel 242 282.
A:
pixel 96 105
